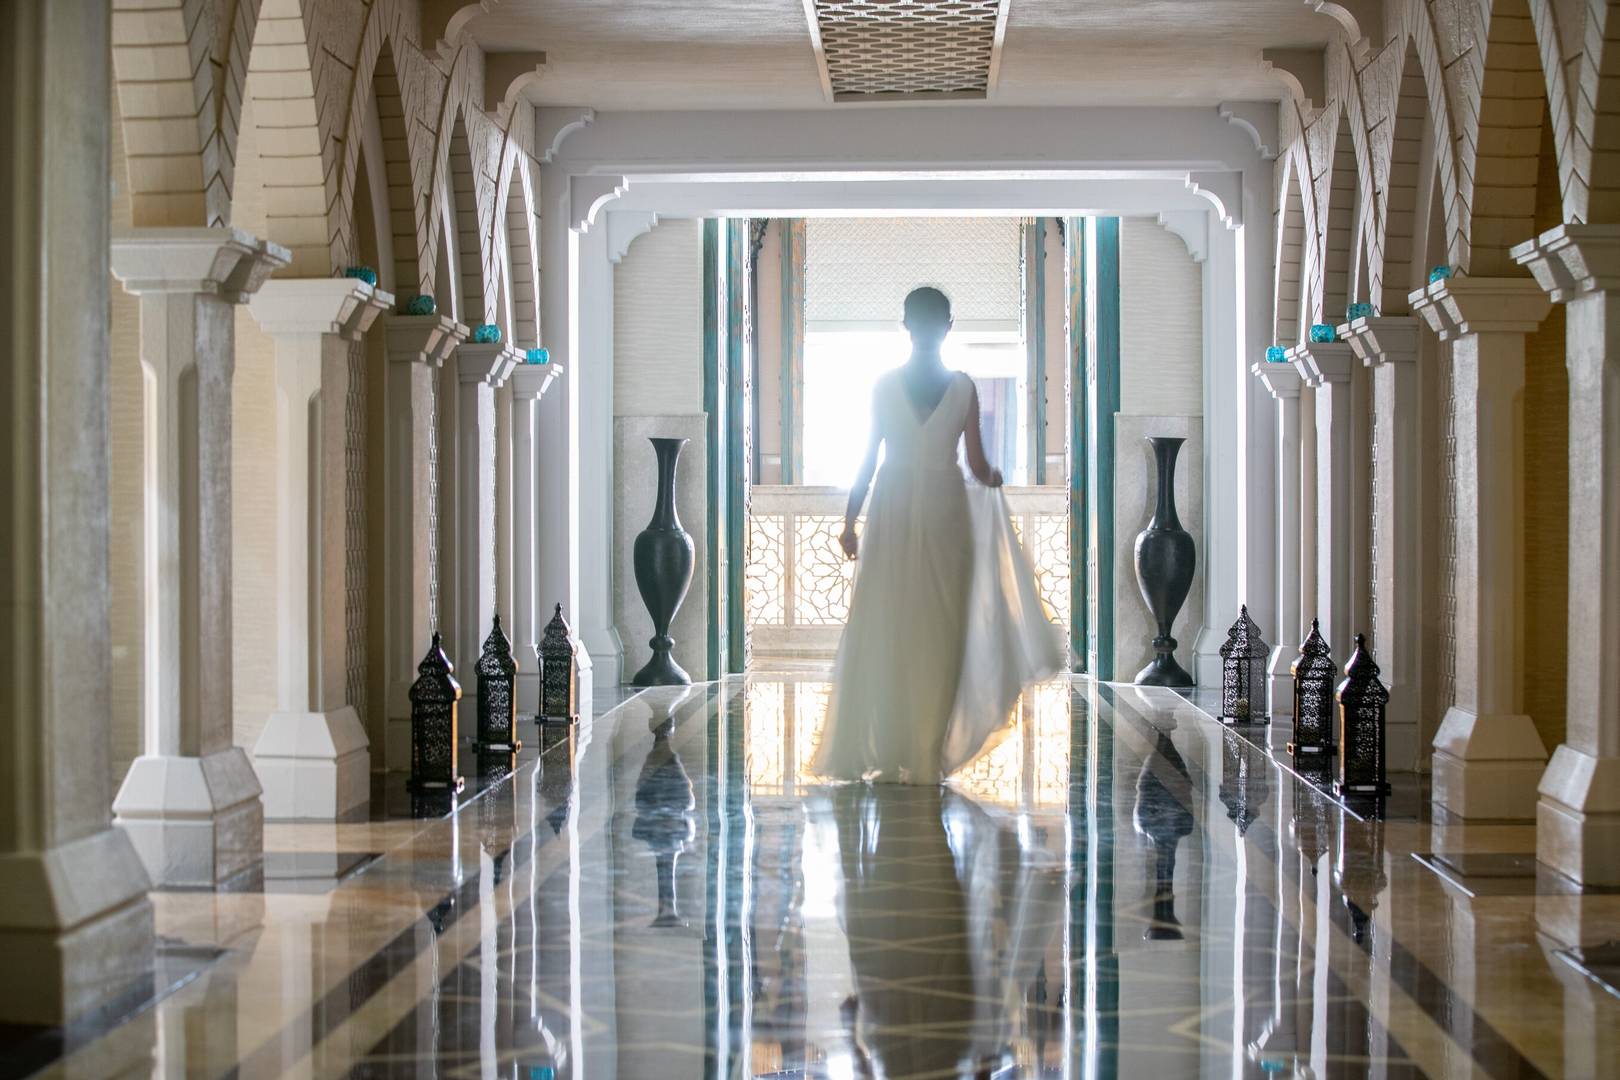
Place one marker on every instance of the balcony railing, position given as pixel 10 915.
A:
pixel 798 582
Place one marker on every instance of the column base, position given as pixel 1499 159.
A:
pixel 315 766
pixel 528 685
pixel 193 821
pixel 1578 817
pixel 607 655
pixel 1280 681
pixel 77 920
pixel 397 744
pixel 1487 766
pixel 1206 659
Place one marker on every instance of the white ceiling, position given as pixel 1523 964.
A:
pixel 730 54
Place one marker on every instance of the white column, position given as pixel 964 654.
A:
pixel 479 370
pixel 1283 381
pixel 191 800
pixel 1327 368
pixel 313 757
pixel 1578 815
pixel 529 385
pixel 417 346
pixel 559 414
pixel 1388 345
pixel 76 925
pixel 594 369
pixel 1488 756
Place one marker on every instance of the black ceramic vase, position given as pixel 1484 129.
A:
pixel 1165 561
pixel 663 557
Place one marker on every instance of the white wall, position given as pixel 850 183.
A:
pixel 1161 349
pixel 657 322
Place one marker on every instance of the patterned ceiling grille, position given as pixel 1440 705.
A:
pixel 873 47
pixel 858 270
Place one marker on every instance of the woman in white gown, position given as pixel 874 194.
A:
pixel 946 625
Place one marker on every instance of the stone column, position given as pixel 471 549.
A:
pixel 594 369
pixel 479 370
pixel 191 800
pixel 529 384
pixel 1283 381
pixel 75 927
pixel 417 346
pixel 1578 815
pixel 313 757
pixel 1388 345
pixel 1488 756
pixel 1326 367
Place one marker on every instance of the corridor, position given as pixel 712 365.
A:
pixel 1122 887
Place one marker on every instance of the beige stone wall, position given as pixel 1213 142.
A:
pixel 1161 305
pixel 657 322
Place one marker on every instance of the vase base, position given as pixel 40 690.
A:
pixel 661 670
pixel 1163 670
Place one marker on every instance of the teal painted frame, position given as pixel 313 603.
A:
pixel 1103 403
pixel 792 374
pixel 1036 306
pixel 714 404
pixel 1074 242
pixel 737 453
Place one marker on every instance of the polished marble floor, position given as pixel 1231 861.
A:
pixel 1121 887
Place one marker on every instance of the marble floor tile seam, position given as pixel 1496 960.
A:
pixel 1433 996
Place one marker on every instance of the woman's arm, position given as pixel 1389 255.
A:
pixel 980 467
pixel 857 494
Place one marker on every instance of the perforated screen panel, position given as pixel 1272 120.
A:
pixel 884 47
pixel 858 270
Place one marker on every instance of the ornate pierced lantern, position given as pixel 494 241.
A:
pixel 1243 673
pixel 1313 672
pixel 1361 699
pixel 559 675
pixel 497 676
pixel 434 695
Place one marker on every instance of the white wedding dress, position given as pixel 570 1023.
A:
pixel 946 626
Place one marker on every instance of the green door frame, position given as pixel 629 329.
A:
pixel 1094 375
pixel 715 400
pixel 725 401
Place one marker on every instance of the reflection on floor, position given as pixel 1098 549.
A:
pixel 1121 887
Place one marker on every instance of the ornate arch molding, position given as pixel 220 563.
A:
pixel 1581 69
pixel 179 129
pixel 1417 31
pixel 1399 149
pixel 1290 273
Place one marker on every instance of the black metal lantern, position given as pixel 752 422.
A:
pixel 1244 785
pixel 559 674
pixel 497 677
pixel 434 695
pixel 1314 673
pixel 1360 874
pixel 1243 672
pixel 1361 699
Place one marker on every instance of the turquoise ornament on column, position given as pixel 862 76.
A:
pixel 1276 354
pixel 421 304
pixel 486 334
pixel 1323 334
pixel 361 273
pixel 1439 273
pixel 1358 311
pixel 537 356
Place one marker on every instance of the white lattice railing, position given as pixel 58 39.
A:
pixel 798 582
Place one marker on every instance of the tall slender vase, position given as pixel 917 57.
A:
pixel 1165 561
pixel 663 558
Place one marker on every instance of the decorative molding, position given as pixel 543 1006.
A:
pixel 623 227
pixel 1572 260
pixel 554 123
pixel 1224 190
pixel 1192 226
pixel 1281 380
pixel 506 76
pixel 1458 306
pixel 219 260
pixel 1301 70
pixel 588 194
pixel 1361 20
pixel 1382 339
pixel 1258 119
pixel 343 306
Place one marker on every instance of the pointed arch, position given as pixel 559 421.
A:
pixel 1290 269
pixel 475 298
pixel 1500 173
pixel 180 72
pixel 1338 238
pixel 516 230
pixel 1596 135
pixel 1396 275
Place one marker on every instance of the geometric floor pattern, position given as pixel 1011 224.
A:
pixel 1120 887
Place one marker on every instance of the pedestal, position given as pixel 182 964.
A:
pixel 1326 368
pixel 1578 813
pixel 1388 345
pixel 1488 756
pixel 191 801
pixel 313 756
pixel 479 370
pixel 1283 383
pixel 417 347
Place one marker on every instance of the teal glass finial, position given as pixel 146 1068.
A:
pixel 421 304
pixel 487 334
pixel 1358 311
pixel 1276 354
pixel 361 273
pixel 537 356
pixel 1323 334
pixel 1439 273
